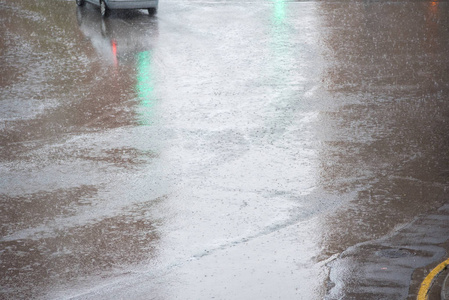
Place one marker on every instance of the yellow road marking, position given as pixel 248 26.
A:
pixel 427 282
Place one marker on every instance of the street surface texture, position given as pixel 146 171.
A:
pixel 231 149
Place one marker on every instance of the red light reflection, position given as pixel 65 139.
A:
pixel 114 52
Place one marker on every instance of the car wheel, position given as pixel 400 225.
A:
pixel 104 9
pixel 152 11
pixel 80 2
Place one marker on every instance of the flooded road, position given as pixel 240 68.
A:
pixel 227 150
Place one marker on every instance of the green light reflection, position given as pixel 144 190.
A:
pixel 145 88
pixel 280 41
pixel 279 11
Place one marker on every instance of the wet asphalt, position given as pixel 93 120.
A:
pixel 223 149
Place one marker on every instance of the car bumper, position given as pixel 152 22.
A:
pixel 132 4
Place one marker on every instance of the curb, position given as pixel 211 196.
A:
pixel 429 280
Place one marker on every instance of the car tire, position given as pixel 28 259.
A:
pixel 152 11
pixel 80 2
pixel 104 10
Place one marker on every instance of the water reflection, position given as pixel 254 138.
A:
pixel 120 38
pixel 293 119
pixel 125 40
pixel 145 87
pixel 62 221
pixel 386 140
pixel 279 11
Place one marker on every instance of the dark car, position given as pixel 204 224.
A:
pixel 106 5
